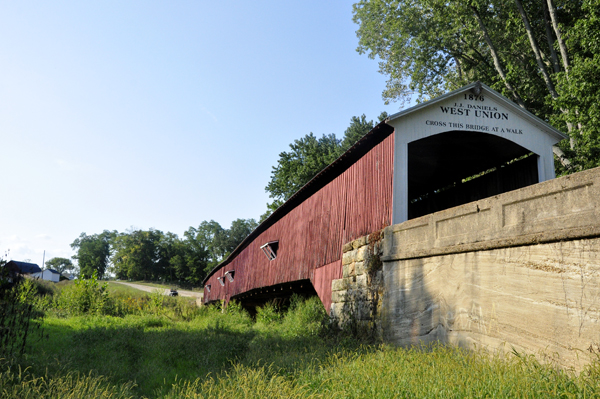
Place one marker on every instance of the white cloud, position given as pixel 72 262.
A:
pixel 15 248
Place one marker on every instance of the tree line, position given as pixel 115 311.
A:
pixel 158 256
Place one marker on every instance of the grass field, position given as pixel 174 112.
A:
pixel 207 353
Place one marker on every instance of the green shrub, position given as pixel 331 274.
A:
pixel 304 317
pixel 268 314
pixel 44 293
pixel 90 297
pixel 183 308
pixel 128 305
pixel 155 305
pixel 86 296
pixel 17 309
pixel 44 287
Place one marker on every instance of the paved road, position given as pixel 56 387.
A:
pixel 152 289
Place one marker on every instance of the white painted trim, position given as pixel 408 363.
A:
pixel 400 187
pixel 542 125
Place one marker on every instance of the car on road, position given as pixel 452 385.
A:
pixel 173 292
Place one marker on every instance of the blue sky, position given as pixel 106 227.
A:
pixel 150 114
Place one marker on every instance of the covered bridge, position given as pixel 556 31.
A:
pixel 467 145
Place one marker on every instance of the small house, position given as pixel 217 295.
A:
pixel 23 268
pixel 49 275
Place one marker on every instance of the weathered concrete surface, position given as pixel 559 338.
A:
pixel 521 269
pixel 541 298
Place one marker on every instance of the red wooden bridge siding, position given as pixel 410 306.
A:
pixel 311 235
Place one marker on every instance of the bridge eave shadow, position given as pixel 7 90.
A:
pixel 278 294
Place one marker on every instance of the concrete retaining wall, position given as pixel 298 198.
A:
pixel 521 269
pixel 541 298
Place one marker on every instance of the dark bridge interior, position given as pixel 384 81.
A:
pixel 278 294
pixel 454 168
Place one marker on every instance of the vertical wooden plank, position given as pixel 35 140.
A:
pixel 356 203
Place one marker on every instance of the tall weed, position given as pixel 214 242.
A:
pixel 17 309
pixel 86 296
pixel 304 317
pixel 16 383
pixel 268 314
pixel 243 382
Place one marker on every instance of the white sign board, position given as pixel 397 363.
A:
pixel 486 112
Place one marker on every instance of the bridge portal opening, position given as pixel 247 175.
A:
pixel 454 168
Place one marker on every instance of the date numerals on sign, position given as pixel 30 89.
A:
pixel 473 97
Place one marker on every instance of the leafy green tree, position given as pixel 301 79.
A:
pixel 136 255
pixel 581 91
pixel 428 47
pixel 214 238
pixel 154 255
pixel 61 265
pixel 169 247
pixel 308 156
pixel 359 126
pixel 208 245
pixel 271 207
pixel 205 248
pixel 183 265
pixel 93 253
pixel 239 230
